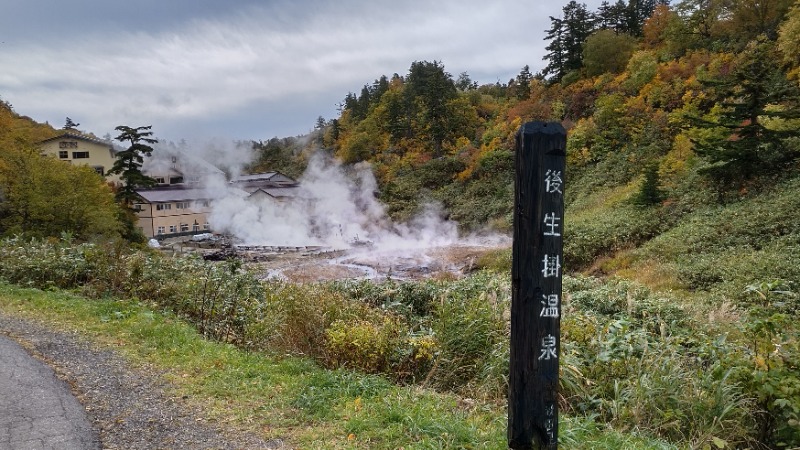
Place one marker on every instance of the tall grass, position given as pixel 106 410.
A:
pixel 634 359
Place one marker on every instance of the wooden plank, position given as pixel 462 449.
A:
pixel 537 260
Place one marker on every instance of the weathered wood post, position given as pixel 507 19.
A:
pixel 537 259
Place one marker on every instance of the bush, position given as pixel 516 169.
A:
pixel 631 357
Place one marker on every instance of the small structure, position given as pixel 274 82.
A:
pixel 269 186
pixel 77 148
pixel 172 211
pixel 253 182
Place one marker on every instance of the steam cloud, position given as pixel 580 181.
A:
pixel 330 209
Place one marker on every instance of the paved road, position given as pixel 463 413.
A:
pixel 37 410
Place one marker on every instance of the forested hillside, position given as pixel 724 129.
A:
pixel 681 239
pixel 683 147
pixel 679 105
pixel 43 197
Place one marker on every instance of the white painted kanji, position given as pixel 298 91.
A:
pixel 553 181
pixel 551 224
pixel 549 306
pixel 549 428
pixel 548 350
pixel 551 266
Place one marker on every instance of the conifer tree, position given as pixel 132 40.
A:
pixel 433 88
pixel 649 192
pixel 756 93
pixel 522 83
pixel 70 125
pixel 567 36
pixel 128 164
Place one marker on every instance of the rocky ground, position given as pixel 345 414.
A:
pixel 129 407
pixel 373 264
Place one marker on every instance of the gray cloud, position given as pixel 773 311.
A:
pixel 263 68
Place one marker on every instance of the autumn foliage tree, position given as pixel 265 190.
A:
pixel 624 79
pixel 43 197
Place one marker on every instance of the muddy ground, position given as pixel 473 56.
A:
pixel 309 264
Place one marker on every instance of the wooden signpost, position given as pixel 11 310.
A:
pixel 536 286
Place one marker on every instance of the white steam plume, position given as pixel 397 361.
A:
pixel 329 209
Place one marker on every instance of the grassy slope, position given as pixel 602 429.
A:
pixel 291 398
pixel 716 249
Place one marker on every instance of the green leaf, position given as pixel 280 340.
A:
pixel 718 442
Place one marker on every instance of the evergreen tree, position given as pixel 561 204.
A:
pixel 649 192
pixel 128 164
pixel 465 83
pixel 522 84
pixel 70 125
pixel 756 93
pixel 363 103
pixel 433 88
pixel 567 36
pixel 379 87
pixel 613 17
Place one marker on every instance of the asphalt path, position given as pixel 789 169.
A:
pixel 37 410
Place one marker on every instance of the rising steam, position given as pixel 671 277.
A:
pixel 329 208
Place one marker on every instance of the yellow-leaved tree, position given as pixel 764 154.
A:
pixel 44 197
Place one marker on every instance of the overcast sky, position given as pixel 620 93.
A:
pixel 245 69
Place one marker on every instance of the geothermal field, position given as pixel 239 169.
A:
pixel 333 227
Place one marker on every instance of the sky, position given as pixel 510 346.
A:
pixel 245 69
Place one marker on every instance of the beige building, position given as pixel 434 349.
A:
pixel 75 148
pixel 172 210
pixel 177 205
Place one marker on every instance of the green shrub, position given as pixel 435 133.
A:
pixel 469 325
pixel 364 345
pixel 631 357
pixel 588 237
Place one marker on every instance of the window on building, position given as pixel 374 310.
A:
pixel 160 180
pixel 196 227
pixel 160 230
pixel 163 206
pixel 99 169
pixel 65 144
pixel 80 155
pixel 138 207
pixel 183 205
pixel 184 227
pixel 206 227
pixel 173 229
pixel 175 180
pixel 63 154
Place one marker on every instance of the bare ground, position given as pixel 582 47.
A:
pixel 129 407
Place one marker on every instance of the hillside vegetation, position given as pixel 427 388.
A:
pixel 681 235
pixel 682 176
pixel 683 140
pixel 41 197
